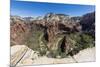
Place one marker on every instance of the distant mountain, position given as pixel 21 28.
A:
pixel 60 17
pixel 28 19
pixel 77 19
pixel 14 18
pixel 88 23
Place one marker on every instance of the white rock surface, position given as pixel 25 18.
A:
pixel 86 55
pixel 16 48
pixel 32 57
pixel 21 54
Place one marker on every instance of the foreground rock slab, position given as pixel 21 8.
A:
pixel 22 55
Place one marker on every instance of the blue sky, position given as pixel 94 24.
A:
pixel 22 8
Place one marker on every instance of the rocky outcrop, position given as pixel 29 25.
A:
pixel 19 31
pixel 59 24
pixel 22 55
pixel 88 23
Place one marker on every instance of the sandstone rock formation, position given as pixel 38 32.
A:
pixel 54 34
pixel 19 31
pixel 59 23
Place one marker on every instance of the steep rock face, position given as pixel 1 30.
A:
pixel 19 30
pixel 51 26
pixel 88 23
pixel 59 24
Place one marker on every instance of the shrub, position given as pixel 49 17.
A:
pixel 83 41
pixel 43 51
pixel 87 41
